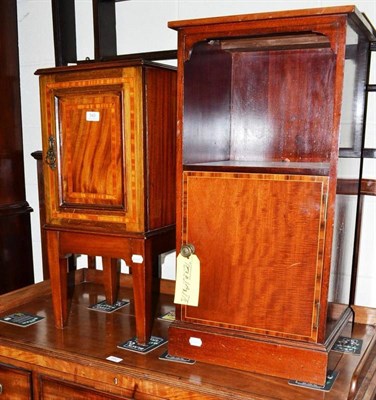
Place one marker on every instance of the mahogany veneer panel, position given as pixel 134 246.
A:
pixel 91 151
pixel 271 119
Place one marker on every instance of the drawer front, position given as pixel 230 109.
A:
pixel 15 383
pixel 52 389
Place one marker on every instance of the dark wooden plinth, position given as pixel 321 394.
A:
pixel 283 358
pixel 16 259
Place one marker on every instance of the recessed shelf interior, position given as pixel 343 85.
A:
pixel 258 102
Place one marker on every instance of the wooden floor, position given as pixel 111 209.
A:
pixel 92 336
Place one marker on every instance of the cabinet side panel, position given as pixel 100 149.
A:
pixel 160 112
pixel 207 105
pixel 260 241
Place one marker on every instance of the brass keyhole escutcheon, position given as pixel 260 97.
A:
pixel 187 250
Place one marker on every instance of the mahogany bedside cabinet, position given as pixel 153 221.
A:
pixel 270 110
pixel 109 173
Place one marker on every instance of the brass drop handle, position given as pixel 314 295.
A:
pixel 51 153
pixel 187 250
pixel 1 388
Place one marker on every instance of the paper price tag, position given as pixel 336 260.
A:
pixel 187 288
pixel 93 116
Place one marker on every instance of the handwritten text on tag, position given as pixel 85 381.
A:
pixel 187 287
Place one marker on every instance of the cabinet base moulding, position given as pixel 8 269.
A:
pixel 307 362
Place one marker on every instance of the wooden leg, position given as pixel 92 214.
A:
pixel 110 278
pixel 142 288
pixel 91 263
pixel 72 262
pixel 58 267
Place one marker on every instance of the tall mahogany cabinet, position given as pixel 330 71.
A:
pixel 16 259
pixel 265 102
pixel 109 173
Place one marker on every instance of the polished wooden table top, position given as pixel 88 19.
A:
pixel 92 336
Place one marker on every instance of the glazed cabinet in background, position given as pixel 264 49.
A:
pixel 16 256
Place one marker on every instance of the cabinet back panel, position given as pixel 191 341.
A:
pixel 278 103
pixel 267 228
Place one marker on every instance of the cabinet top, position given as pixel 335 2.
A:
pixel 95 65
pixel 350 10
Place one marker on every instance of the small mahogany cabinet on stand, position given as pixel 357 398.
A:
pixel 265 102
pixel 109 173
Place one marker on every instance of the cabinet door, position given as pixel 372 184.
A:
pixel 93 146
pixel 260 240
pixel 15 383
pixel 90 148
